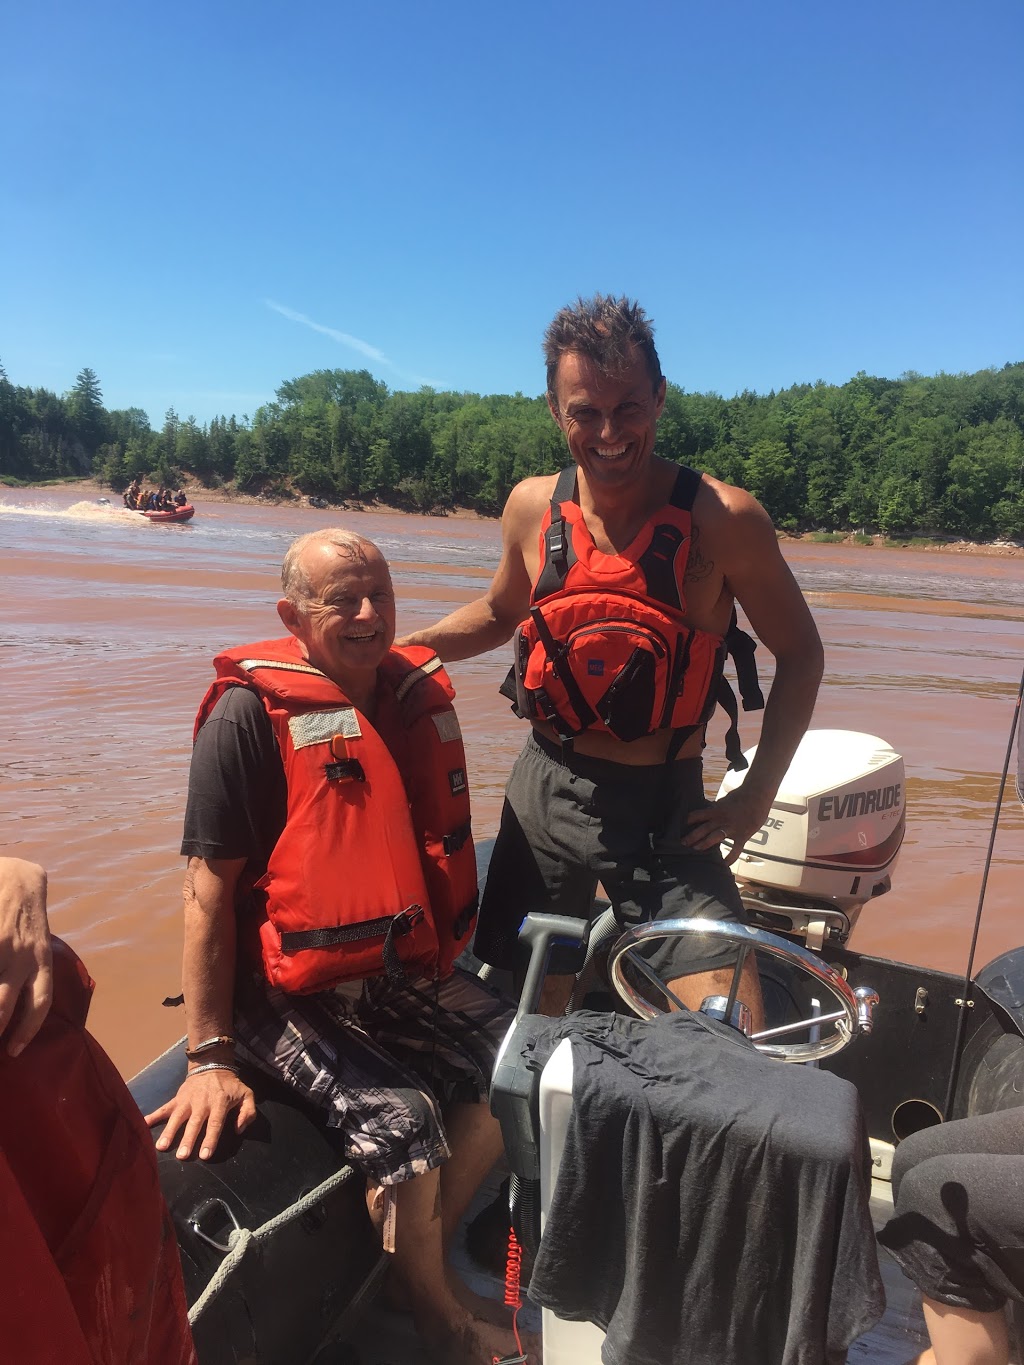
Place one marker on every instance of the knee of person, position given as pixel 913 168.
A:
pixel 916 1186
pixel 911 1152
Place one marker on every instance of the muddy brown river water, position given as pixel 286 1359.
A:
pixel 109 623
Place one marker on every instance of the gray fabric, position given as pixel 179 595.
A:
pixel 570 821
pixel 711 1206
pixel 957 1229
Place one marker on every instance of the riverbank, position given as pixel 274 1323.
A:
pixel 197 494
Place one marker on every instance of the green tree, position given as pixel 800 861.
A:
pixel 87 417
pixel 769 473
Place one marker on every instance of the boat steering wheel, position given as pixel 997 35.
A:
pixel 835 1028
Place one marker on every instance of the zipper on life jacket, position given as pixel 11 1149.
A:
pixel 610 625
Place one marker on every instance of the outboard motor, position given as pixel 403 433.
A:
pixel 831 840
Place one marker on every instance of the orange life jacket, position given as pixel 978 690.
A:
pixel 375 869
pixel 606 646
pixel 89 1267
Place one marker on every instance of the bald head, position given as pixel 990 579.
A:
pixel 339 604
pixel 307 558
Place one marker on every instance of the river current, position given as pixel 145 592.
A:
pixel 109 624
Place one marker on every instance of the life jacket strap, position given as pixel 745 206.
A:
pixel 684 490
pixel 726 699
pixel 740 647
pixel 453 842
pixel 556 541
pixel 465 917
pixel 390 926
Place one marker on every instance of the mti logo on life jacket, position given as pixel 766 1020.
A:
pixel 457 781
pixel 595 668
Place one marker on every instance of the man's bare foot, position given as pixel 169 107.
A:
pixel 494 1311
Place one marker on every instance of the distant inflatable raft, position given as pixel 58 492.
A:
pixel 184 513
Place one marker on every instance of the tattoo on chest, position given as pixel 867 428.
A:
pixel 698 568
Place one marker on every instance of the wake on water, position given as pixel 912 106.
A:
pixel 78 511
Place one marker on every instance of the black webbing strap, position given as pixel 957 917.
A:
pixel 390 926
pixel 556 654
pixel 679 738
pixel 684 490
pixel 740 647
pixel 680 663
pixel 556 541
pixel 465 917
pixel 726 699
pixel 451 843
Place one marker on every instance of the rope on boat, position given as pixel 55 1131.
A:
pixel 965 996
pixel 242 1242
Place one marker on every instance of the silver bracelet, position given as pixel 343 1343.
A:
pixel 212 1066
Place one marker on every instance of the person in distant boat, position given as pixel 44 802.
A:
pixel 88 1261
pixel 180 499
pixel 331 883
pixel 618 579
pixel 131 495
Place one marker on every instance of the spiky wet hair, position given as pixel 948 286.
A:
pixel 606 331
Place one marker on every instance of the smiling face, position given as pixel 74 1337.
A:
pixel 346 621
pixel 609 420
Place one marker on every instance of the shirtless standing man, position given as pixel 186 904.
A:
pixel 593 805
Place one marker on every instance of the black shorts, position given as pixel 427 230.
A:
pixel 571 821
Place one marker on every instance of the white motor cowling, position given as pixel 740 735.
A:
pixel 832 838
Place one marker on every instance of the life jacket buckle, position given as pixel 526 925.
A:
pixel 557 544
pixel 454 842
pixel 350 770
pixel 407 920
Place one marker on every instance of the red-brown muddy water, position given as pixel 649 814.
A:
pixel 109 625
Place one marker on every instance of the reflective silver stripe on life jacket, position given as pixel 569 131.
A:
pixel 416 675
pixel 319 727
pixel 250 664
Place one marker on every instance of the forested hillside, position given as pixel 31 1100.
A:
pixel 926 455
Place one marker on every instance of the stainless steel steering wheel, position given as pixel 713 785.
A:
pixel 831 1030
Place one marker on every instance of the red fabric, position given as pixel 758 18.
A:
pixel 89 1268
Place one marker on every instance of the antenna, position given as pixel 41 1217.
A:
pixel 965 994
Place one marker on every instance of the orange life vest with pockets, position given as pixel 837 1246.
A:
pixel 375 871
pixel 606 646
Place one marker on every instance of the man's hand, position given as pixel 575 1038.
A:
pixel 736 816
pixel 26 973
pixel 203 1102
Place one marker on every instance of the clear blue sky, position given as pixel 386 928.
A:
pixel 203 200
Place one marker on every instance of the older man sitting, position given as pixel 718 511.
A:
pixel 330 885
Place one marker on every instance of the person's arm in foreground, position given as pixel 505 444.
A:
pixel 488 622
pixel 26 972
pixel 761 581
pixel 204 1102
